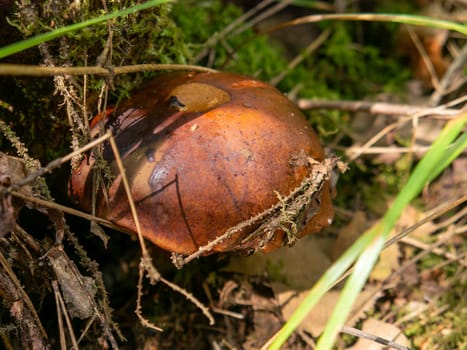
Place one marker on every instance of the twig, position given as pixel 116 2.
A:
pixel 425 57
pixel 443 263
pixel 56 163
pixel 23 294
pixel 315 44
pixel 381 108
pixel 367 145
pixel 126 185
pixel 374 338
pixel 432 249
pixel 435 213
pixel 384 150
pixel 416 313
pixel 449 76
pixel 228 313
pixel 53 205
pixel 213 40
pixel 146 261
pixel 37 71
pixel 87 327
pixel 61 330
pixel 308 339
pixel 457 216
pixel 62 308
pixel 263 15
pixel 415 114
pixel 191 298
pixel 25 237
pixel 268 221
pixel 428 249
pixel 139 294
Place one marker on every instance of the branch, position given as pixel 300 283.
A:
pixel 38 71
pixel 452 73
pixel 375 107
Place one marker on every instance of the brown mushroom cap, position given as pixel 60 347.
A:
pixel 203 153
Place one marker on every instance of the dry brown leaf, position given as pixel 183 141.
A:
pixel 264 312
pixel 12 170
pixel 425 43
pixel 78 290
pixel 298 267
pixel 349 234
pixel 451 184
pixel 389 260
pixel 409 217
pixel 380 329
pixel 7 217
pixel 387 263
pixel 316 320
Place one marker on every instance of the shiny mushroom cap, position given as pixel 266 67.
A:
pixel 215 161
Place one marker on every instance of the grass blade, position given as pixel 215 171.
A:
pixel 431 163
pixel 41 38
pixel 369 245
pixel 375 17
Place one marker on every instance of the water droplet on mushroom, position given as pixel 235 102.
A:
pixel 150 155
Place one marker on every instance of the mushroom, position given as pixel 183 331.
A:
pixel 216 162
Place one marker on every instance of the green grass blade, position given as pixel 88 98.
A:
pixel 370 243
pixel 321 287
pixel 432 162
pixel 379 17
pixel 427 22
pixel 352 288
pixel 41 38
pixel 454 150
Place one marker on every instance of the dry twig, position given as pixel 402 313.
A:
pixel 146 264
pixel 39 71
pixel 449 76
pixel 376 339
pixel 381 108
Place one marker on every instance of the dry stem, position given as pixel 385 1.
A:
pixel 376 339
pixel 146 264
pixel 39 71
pixel 381 108
pixel 449 76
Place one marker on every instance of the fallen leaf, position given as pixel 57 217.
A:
pixel 7 215
pixel 348 234
pixel 263 311
pixel 297 267
pixel 389 259
pixel 411 39
pixel 410 216
pixel 380 329
pixel 78 290
pixel 451 183
pixel 12 170
pixel 387 263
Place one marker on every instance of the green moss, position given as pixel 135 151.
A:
pixel 356 70
pixel 199 21
pixel 148 36
pixel 443 330
pixel 245 53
